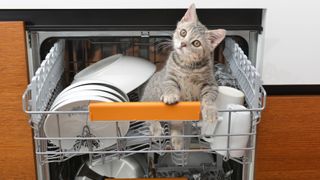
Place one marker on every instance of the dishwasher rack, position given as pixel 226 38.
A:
pixel 48 82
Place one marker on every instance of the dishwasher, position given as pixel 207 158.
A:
pixel 55 58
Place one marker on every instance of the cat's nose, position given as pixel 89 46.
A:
pixel 183 45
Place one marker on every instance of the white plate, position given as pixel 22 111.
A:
pixel 90 87
pixel 124 72
pixel 97 67
pixel 71 125
pixel 96 82
pixel 78 92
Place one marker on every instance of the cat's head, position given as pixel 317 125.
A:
pixel 192 40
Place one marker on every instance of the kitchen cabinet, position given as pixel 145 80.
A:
pixel 16 145
pixel 288 145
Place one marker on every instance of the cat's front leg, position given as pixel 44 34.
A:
pixel 209 110
pixel 171 92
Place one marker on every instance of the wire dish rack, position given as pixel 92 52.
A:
pixel 48 83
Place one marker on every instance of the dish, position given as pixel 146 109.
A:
pixel 97 87
pixel 240 124
pixel 95 82
pixel 97 67
pixel 124 72
pixel 228 95
pixel 71 125
pixel 78 92
pixel 128 167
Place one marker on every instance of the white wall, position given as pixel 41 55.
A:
pixel 289 45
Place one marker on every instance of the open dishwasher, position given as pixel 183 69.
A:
pixel 63 56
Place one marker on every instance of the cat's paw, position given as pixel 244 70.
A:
pixel 209 113
pixel 208 127
pixel 170 98
pixel 155 128
pixel 209 119
pixel 177 143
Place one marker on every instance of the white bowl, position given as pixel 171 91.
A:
pixel 125 72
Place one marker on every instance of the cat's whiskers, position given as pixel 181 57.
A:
pixel 164 44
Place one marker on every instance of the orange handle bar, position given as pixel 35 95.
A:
pixel 117 111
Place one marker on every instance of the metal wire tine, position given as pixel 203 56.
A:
pixel 90 158
pixel 237 160
pixel 253 121
pixel 159 141
pixel 186 143
pixel 228 137
pixel 101 156
pixel 59 133
pixel 200 143
pixel 120 147
pixel 166 129
pixel 32 124
pixel 184 133
pixel 87 133
pixel 118 130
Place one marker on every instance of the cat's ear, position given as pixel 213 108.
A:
pixel 190 15
pixel 215 36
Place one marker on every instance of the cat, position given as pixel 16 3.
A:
pixel 188 74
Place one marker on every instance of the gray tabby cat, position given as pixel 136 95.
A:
pixel 189 72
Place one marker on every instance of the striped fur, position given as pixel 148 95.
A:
pixel 189 72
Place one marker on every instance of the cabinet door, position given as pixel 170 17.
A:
pixel 16 145
pixel 289 139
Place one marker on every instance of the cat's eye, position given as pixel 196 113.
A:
pixel 196 43
pixel 183 33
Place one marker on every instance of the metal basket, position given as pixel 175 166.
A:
pixel 47 83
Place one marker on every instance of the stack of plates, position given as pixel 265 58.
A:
pixel 93 85
pixel 77 97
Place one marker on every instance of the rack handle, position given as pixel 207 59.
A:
pixel 133 111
